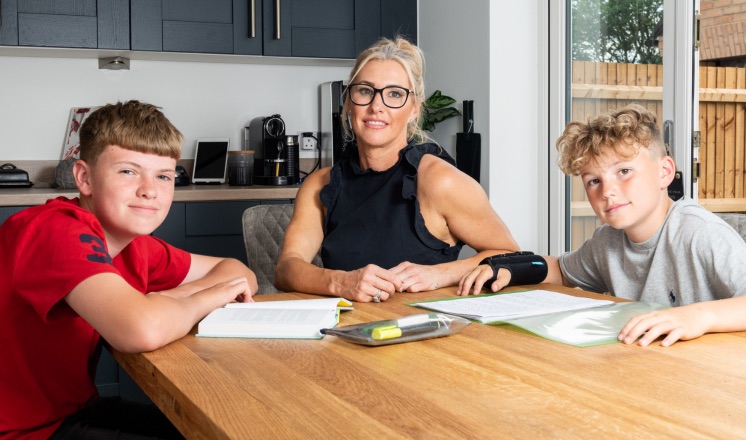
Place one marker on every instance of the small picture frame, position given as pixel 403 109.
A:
pixel 71 144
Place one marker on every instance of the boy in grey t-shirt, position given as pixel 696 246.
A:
pixel 650 248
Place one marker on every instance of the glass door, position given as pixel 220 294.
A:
pixel 721 159
pixel 614 56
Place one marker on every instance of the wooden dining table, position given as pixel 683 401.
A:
pixel 483 382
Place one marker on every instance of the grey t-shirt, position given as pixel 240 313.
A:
pixel 694 256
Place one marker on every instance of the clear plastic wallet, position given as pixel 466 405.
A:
pixel 396 331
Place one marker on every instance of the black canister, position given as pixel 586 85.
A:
pixel 293 151
pixel 240 167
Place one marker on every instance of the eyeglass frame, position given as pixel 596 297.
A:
pixel 380 92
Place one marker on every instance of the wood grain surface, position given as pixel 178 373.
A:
pixel 484 382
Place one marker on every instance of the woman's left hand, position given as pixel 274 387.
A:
pixel 417 277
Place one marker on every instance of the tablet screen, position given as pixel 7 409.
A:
pixel 210 161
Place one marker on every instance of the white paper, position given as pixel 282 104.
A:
pixel 498 308
pixel 316 303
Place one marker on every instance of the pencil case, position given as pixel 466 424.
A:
pixel 396 331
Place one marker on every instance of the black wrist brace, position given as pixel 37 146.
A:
pixel 524 267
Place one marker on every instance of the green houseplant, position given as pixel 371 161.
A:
pixel 436 109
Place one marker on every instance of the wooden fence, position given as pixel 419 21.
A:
pixel 602 87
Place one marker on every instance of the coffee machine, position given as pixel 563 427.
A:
pixel 275 154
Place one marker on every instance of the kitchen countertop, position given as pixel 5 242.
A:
pixel 41 172
pixel 191 193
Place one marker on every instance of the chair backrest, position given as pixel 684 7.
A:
pixel 736 221
pixel 263 231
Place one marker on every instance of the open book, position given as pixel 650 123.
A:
pixel 506 306
pixel 300 319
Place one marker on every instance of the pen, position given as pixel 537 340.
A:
pixel 392 331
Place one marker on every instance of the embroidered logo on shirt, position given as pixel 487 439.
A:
pixel 672 297
pixel 100 255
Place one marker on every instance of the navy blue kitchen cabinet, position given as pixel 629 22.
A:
pixel 7 211
pixel 334 28
pixel 200 26
pixel 209 228
pixel 291 28
pixel 90 24
pixel 288 28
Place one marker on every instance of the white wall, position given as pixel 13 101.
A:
pixel 201 99
pixel 455 40
pixel 492 55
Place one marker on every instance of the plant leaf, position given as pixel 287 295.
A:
pixel 442 114
pixel 437 101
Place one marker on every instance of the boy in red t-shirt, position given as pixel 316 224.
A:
pixel 77 270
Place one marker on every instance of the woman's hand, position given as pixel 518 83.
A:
pixel 417 277
pixel 370 283
pixel 473 281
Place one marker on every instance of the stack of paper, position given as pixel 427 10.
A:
pixel 503 307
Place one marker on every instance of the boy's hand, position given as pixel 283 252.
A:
pixel 679 323
pixel 239 285
pixel 472 282
pixel 239 288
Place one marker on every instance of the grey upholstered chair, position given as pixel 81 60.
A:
pixel 737 222
pixel 263 232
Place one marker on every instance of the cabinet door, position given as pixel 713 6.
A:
pixel 314 28
pixel 92 24
pixel 248 34
pixel 399 17
pixel 209 228
pixel 202 26
pixel 7 211
pixel 277 27
pixel 334 28
pixel 173 228
pixel 9 22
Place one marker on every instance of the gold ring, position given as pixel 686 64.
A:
pixel 377 296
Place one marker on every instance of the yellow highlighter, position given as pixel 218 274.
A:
pixel 393 331
pixel 386 332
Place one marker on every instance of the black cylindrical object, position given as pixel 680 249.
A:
pixel 468 118
pixel 293 153
pixel 240 167
pixel 469 144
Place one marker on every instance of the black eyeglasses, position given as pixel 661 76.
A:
pixel 392 96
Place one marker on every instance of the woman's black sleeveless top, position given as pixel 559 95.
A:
pixel 373 217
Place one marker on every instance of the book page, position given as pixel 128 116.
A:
pixel 320 303
pixel 266 322
pixel 512 305
pixel 283 317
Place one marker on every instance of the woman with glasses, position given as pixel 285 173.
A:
pixel 393 213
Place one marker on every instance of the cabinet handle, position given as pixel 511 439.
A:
pixel 252 18
pixel 277 20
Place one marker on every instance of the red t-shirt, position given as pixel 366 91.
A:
pixel 49 353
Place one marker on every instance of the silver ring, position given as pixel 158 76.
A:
pixel 377 296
